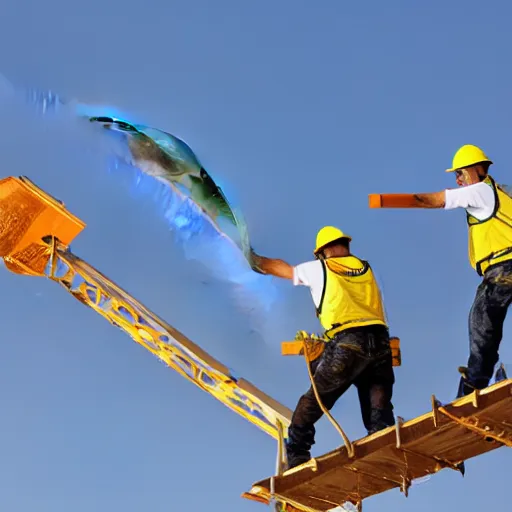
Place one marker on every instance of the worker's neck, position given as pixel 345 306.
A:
pixel 340 253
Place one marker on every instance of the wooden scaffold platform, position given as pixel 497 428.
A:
pixel 442 438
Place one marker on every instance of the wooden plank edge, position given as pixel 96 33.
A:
pixel 375 200
pixel 255 497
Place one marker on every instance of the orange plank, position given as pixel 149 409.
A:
pixel 316 348
pixel 292 348
pixel 392 201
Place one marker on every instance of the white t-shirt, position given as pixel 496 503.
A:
pixel 478 200
pixel 310 274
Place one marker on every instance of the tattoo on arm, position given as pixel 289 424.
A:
pixel 433 200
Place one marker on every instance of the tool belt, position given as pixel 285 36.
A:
pixel 316 347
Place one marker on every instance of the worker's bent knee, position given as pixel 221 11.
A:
pixel 308 411
pixel 380 396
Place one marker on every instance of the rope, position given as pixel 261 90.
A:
pixel 335 424
pixel 279 467
pixel 280 448
pixel 474 428
pixel 281 501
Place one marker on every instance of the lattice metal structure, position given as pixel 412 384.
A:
pixel 35 233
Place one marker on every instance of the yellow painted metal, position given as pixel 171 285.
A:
pixel 35 232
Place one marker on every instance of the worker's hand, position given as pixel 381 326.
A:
pixel 270 266
pixel 256 262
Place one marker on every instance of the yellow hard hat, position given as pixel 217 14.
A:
pixel 327 235
pixel 467 156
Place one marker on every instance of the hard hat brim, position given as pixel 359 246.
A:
pixel 476 163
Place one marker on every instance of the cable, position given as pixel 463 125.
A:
pixel 335 424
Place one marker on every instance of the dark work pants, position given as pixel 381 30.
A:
pixel 359 356
pixel 486 319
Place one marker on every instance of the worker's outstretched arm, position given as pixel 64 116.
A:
pixel 431 200
pixel 271 266
pixel 427 200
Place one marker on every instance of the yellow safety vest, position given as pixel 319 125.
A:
pixel 490 240
pixel 351 295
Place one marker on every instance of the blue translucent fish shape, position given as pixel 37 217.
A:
pixel 210 229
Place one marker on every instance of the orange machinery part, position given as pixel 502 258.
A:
pixel 28 213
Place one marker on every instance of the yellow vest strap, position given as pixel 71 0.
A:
pixel 492 256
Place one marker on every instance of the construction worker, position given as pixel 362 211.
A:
pixel 489 218
pixel 349 305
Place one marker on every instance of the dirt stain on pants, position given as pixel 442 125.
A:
pixel 359 356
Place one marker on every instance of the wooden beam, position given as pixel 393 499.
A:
pixel 392 201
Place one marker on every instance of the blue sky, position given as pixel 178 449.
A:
pixel 303 109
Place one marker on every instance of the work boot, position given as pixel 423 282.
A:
pixel 501 373
pixel 465 388
pixel 380 419
pixel 296 459
pixel 296 454
pixel 298 445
